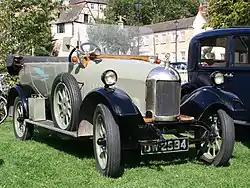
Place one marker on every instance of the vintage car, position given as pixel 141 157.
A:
pixel 221 55
pixel 179 65
pixel 122 102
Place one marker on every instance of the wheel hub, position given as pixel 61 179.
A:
pixel 101 142
pixel 20 119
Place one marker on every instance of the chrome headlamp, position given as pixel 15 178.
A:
pixel 109 78
pixel 217 78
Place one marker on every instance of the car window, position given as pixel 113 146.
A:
pixel 213 52
pixel 241 47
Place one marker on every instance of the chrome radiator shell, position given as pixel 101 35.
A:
pixel 163 93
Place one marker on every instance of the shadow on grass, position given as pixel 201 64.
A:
pixel 78 148
pixel 130 159
pixel 1 162
pixel 134 159
pixel 243 134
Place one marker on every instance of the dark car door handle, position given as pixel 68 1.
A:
pixel 229 75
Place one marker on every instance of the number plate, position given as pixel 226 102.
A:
pixel 167 146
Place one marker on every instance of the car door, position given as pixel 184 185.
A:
pixel 238 74
pixel 213 55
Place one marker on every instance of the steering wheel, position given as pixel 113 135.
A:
pixel 93 50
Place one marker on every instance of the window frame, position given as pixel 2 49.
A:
pixel 61 28
pixel 227 53
pixel 233 63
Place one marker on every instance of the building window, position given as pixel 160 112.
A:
pixel 86 18
pixel 241 57
pixel 92 6
pixel 183 55
pixel 146 41
pixel 61 28
pixel 173 36
pixel 163 39
pixel 182 36
pixel 173 57
pixel 101 7
pixel 156 39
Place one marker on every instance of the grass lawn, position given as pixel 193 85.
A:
pixel 47 161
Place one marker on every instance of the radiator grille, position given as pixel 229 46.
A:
pixel 167 98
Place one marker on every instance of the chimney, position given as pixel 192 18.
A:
pixel 200 10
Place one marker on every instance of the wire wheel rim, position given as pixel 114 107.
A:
pixel 18 114
pixel 100 134
pixel 3 110
pixel 62 106
pixel 212 147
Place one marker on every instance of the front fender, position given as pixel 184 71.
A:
pixel 205 97
pixel 187 88
pixel 117 99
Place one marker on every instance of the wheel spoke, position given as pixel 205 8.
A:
pixel 59 103
pixel 217 144
pixel 214 150
pixel 64 93
pixel 69 113
pixel 19 111
pixel 60 95
pixel 67 119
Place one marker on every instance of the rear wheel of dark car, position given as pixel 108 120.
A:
pixel 218 150
pixel 107 143
pixel 22 130
pixel 65 101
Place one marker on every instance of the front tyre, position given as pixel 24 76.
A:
pixel 107 144
pixel 22 131
pixel 218 151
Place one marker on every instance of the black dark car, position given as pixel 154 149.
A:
pixel 179 65
pixel 220 59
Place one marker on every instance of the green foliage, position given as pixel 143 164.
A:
pixel 228 13
pixel 27 29
pixel 150 11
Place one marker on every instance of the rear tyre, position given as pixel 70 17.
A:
pixel 22 131
pixel 218 150
pixel 66 100
pixel 107 144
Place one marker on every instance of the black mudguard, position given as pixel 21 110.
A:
pixel 23 92
pixel 208 96
pixel 117 99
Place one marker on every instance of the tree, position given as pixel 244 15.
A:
pixel 114 39
pixel 150 11
pixel 27 27
pixel 228 13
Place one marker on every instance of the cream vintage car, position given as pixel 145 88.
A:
pixel 120 101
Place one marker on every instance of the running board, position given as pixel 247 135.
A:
pixel 47 124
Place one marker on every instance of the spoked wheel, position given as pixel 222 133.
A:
pixel 3 109
pixel 22 131
pixel 62 106
pixel 218 150
pixel 66 101
pixel 107 145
